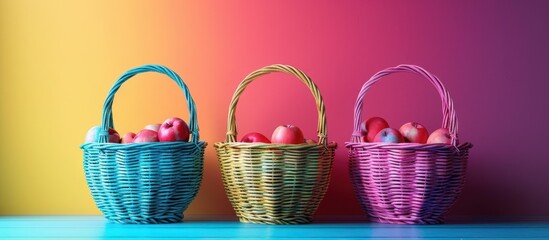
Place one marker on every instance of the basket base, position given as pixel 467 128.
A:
pixel 172 218
pixel 431 220
pixel 283 221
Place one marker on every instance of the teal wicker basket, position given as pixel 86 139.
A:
pixel 144 182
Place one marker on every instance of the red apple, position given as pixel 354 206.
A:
pixel 153 127
pixel 128 137
pixel 172 130
pixel 287 134
pixel 389 135
pixel 441 135
pixel 93 135
pixel 414 132
pixel 372 127
pixel 255 137
pixel 146 135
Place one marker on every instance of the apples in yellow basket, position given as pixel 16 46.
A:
pixel 287 134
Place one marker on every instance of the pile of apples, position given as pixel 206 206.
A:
pixel 172 130
pixel 376 129
pixel 284 134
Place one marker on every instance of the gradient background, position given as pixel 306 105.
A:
pixel 58 59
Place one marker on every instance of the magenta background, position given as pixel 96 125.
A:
pixel 491 55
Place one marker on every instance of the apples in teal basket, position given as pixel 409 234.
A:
pixel 153 127
pixel 93 135
pixel 146 135
pixel 129 137
pixel 172 130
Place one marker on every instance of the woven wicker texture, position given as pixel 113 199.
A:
pixel 144 182
pixel 275 183
pixel 407 183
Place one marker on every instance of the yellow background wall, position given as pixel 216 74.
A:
pixel 58 59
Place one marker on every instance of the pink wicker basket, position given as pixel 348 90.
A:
pixel 407 183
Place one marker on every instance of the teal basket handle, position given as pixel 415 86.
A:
pixel 107 118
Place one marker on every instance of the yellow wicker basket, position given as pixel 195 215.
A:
pixel 275 183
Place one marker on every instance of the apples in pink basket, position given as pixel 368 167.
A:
pixel 153 127
pixel 389 135
pixel 128 137
pixel 287 134
pixel 414 132
pixel 372 127
pixel 441 135
pixel 172 130
pixel 146 135
pixel 93 135
pixel 255 137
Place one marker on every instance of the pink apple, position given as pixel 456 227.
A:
pixel 146 135
pixel 153 127
pixel 255 137
pixel 172 130
pixel 128 137
pixel 441 135
pixel 93 135
pixel 372 127
pixel 389 135
pixel 287 134
pixel 414 132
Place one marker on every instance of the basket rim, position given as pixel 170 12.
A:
pixel 273 146
pixel 129 146
pixel 409 146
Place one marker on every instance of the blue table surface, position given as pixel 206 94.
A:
pixel 96 227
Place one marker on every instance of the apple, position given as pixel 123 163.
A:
pixel 153 127
pixel 287 134
pixel 146 135
pixel 389 135
pixel 310 141
pixel 372 127
pixel 93 135
pixel 441 135
pixel 414 132
pixel 255 137
pixel 128 137
pixel 172 130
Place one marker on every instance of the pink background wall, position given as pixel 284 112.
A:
pixel 491 55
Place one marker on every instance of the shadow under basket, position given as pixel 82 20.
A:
pixel 408 183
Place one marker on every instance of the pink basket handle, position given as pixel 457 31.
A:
pixel 449 118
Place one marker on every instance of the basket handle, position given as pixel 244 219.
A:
pixel 107 118
pixel 321 129
pixel 449 118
